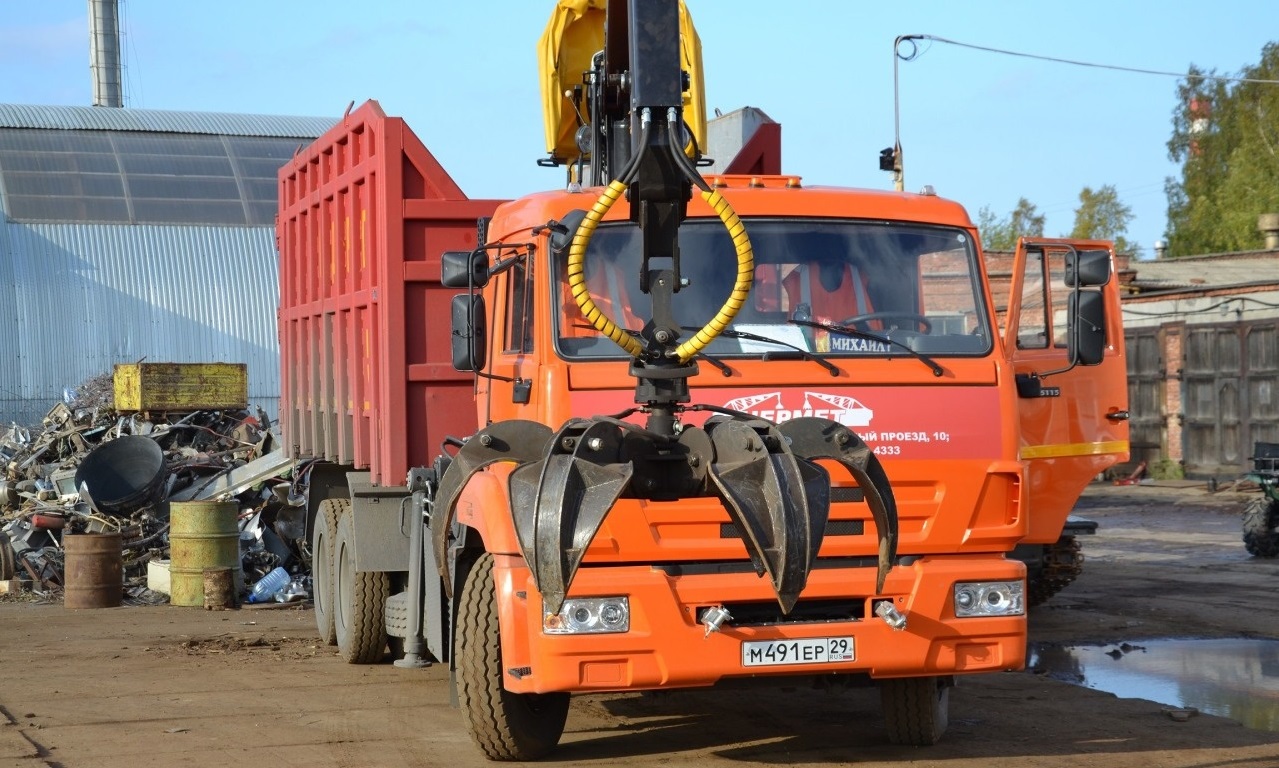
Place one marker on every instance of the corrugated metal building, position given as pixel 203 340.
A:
pixel 129 234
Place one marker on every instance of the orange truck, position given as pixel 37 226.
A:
pixel 656 430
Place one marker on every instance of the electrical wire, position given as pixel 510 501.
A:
pixel 915 53
pixel 1226 303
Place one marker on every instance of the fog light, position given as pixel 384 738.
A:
pixel 589 616
pixel 989 598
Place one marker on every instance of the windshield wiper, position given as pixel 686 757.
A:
pixel 730 333
pixel 847 330
pixel 717 363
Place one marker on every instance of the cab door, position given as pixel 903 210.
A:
pixel 1072 397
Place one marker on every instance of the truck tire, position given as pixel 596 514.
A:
pixel 916 709
pixel 322 583
pixel 504 725
pixel 359 600
pixel 1259 519
pixel 1062 563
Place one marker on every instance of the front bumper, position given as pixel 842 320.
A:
pixel 667 647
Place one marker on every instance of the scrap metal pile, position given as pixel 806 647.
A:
pixel 88 468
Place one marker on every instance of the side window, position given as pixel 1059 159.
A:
pixel 1032 325
pixel 519 308
pixel 1057 295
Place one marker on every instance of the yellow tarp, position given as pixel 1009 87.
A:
pixel 573 35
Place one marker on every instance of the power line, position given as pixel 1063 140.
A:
pixel 914 53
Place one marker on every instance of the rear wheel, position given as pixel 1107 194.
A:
pixel 322 584
pixel 359 603
pixel 505 725
pixel 1259 519
pixel 916 709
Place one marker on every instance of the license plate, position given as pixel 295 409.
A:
pixel 813 650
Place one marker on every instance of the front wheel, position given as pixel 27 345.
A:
pixel 916 709
pixel 1259 519
pixel 504 725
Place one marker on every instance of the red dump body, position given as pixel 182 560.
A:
pixel 366 373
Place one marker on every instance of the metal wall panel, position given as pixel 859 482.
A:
pixel 78 298
pixel 171 121
pixel 365 213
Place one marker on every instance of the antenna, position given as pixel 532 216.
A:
pixel 891 159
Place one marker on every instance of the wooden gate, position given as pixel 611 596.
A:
pixel 1145 396
pixel 1230 394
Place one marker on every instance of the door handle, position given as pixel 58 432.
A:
pixel 1118 415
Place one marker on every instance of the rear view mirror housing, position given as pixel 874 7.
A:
pixel 464 269
pixel 1087 268
pixel 468 332
pixel 1086 315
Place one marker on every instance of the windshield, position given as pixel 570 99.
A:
pixel 914 284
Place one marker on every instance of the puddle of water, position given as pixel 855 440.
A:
pixel 1234 678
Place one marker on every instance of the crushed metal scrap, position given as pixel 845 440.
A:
pixel 88 468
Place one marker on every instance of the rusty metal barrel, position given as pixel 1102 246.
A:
pixel 202 534
pixel 94 574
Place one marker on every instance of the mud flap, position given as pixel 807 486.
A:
pixel 559 502
pixel 779 501
pixel 517 440
pixel 813 438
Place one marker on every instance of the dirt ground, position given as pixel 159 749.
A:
pixel 165 686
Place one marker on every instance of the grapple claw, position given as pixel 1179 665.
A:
pixel 778 501
pixel 559 502
pixel 516 440
pixel 813 438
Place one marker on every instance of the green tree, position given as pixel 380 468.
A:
pixel 1101 216
pixel 1226 138
pixel 1000 234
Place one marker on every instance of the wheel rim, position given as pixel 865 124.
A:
pixel 321 571
pixel 342 564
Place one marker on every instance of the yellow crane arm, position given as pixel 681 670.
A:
pixel 573 35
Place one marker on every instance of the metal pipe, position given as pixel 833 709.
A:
pixel 104 53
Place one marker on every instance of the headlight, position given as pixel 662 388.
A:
pixel 590 615
pixel 989 598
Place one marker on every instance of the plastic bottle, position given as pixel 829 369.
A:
pixel 268 585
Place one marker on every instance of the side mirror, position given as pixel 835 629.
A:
pixel 464 269
pixel 1086 316
pixel 562 235
pixel 469 332
pixel 1087 268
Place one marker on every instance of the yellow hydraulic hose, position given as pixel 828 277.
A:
pixel 577 272
pixel 741 289
pixel 605 325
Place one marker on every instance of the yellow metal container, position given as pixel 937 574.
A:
pixel 202 534
pixel 181 386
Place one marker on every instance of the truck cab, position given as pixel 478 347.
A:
pixel 870 309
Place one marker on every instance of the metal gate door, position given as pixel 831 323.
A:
pixel 1145 395
pixel 1229 395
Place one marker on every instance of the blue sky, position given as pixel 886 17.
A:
pixel 983 129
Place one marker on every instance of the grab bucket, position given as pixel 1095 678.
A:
pixel 202 534
pixel 94 575
pixel 124 474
